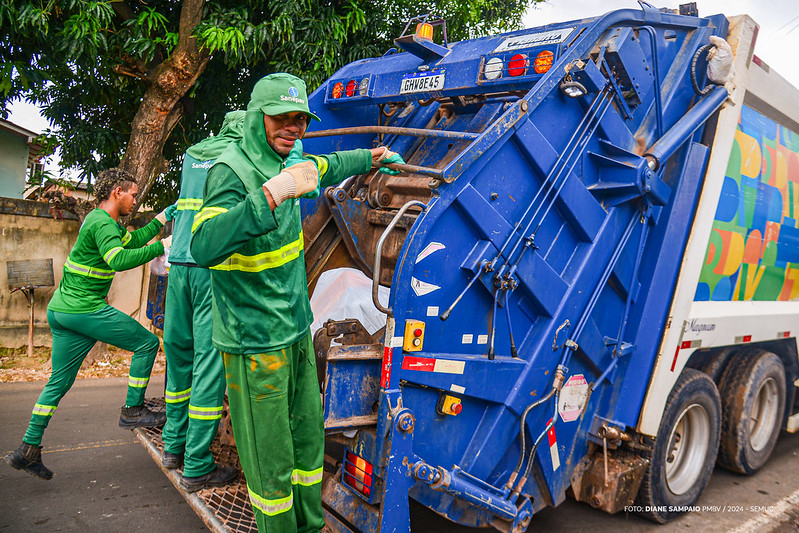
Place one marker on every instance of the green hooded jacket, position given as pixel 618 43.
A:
pixel 256 255
pixel 198 159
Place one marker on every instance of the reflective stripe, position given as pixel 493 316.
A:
pixel 306 478
pixel 177 397
pixel 110 254
pixel 91 272
pixel 263 261
pixel 126 238
pixel 205 413
pixel 206 213
pixel 270 507
pixel 190 204
pixel 321 164
pixel 44 410
pixel 138 383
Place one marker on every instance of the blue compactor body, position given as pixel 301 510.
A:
pixel 533 245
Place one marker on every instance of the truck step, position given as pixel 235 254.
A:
pixel 224 509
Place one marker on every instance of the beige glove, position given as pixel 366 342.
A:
pixel 167 242
pixel 384 154
pixel 293 182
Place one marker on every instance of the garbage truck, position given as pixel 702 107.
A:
pixel 591 261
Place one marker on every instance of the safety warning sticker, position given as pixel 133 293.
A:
pixel 426 364
pixel 573 396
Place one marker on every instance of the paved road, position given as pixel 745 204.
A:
pixel 106 482
pixel 104 479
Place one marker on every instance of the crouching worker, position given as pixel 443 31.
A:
pixel 249 232
pixel 79 315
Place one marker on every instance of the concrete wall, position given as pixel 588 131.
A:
pixel 14 151
pixel 29 231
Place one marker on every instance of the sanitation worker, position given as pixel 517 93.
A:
pixel 195 375
pixel 79 315
pixel 249 232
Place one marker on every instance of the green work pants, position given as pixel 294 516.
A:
pixel 195 375
pixel 277 422
pixel 73 337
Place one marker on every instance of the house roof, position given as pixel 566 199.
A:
pixel 35 148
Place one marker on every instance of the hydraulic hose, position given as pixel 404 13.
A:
pixel 531 458
pixel 560 375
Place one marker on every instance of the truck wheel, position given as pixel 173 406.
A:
pixel 685 448
pixel 753 402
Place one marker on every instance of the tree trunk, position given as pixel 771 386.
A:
pixel 160 111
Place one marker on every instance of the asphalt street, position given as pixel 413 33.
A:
pixel 104 479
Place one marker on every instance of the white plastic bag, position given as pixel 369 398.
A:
pixel 160 265
pixel 347 293
pixel 720 65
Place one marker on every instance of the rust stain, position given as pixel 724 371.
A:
pixel 253 365
pixel 234 386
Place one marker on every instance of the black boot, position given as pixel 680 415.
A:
pixel 171 460
pixel 29 458
pixel 218 477
pixel 141 417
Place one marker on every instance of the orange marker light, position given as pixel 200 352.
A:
pixel 543 61
pixel 338 90
pixel 424 31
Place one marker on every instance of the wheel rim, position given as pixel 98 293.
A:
pixel 764 414
pixel 687 449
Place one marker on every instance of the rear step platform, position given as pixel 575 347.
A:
pixel 224 509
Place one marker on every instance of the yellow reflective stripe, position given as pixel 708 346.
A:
pixel 126 238
pixel 91 272
pixel 138 383
pixel 321 164
pixel 206 213
pixel 190 204
pixel 177 397
pixel 205 413
pixel 44 410
pixel 263 261
pixel 270 507
pixel 110 254
pixel 306 478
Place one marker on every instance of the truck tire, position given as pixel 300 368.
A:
pixel 752 391
pixel 682 459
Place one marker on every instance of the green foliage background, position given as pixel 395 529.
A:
pixel 87 63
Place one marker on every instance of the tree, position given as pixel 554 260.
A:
pixel 134 84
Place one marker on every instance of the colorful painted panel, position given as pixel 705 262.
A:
pixel 753 253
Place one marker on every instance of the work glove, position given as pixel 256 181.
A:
pixel 295 180
pixel 388 157
pixel 167 214
pixel 295 157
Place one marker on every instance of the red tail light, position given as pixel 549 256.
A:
pixel 352 87
pixel 357 474
pixel 517 66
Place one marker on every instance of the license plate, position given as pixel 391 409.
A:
pixel 422 82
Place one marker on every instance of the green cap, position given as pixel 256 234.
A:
pixel 280 93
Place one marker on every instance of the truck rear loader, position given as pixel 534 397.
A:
pixel 593 261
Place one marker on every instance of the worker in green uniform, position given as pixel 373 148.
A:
pixel 195 375
pixel 249 232
pixel 79 315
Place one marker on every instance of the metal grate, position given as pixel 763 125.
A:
pixel 225 509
